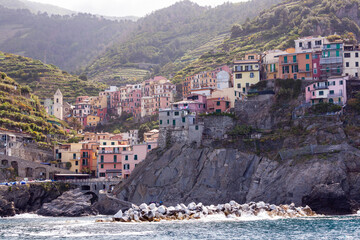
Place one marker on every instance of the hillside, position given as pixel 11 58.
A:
pixel 35 7
pixel 169 39
pixel 278 27
pixel 45 79
pixel 70 42
pixel 21 110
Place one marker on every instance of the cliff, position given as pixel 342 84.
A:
pixel 265 155
pixel 28 198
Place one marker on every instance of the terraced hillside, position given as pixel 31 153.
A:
pixel 278 27
pixel 45 79
pixel 21 110
pixel 168 39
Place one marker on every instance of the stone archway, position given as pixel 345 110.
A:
pixel 15 166
pixel 40 173
pixel 29 172
pixel 94 198
pixel 4 163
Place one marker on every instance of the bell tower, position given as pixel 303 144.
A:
pixel 58 105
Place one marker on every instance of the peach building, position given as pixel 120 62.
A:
pixel 296 66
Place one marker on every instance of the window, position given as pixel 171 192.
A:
pixel 115 158
pixel 337 53
pixel 217 103
pixel 183 119
pixel 135 165
pixel 308 89
pixel 104 143
pixel 124 148
pixel 114 165
pixel 285 59
pixel 168 113
pixel 347 55
pixel 126 166
pixel 315 71
pixel 317 43
pixel 196 127
pixel 239 85
pixel 300 44
pixel 112 143
pixel 307 67
pixel 251 75
pixel 77 163
pixel 294 58
pixel 102 174
pixel 135 157
pixel 149 146
pixel 102 166
pixel 126 157
pixel 356 64
pixel 160 122
pixel 74 155
pixel 341 82
pixel 347 64
pixel 295 76
pixel 338 46
pixel 321 93
pixel 168 121
pixel 307 56
pixel 101 158
pixel 356 54
pixel 331 91
pixel 356 74
pixel 174 122
pixel 176 113
pixel 238 75
pixel 313 93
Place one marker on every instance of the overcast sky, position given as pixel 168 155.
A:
pixel 121 8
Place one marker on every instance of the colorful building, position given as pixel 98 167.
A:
pixel 92 121
pixel 331 60
pixel 332 90
pixel 88 154
pixel 68 155
pixel 351 60
pixel 296 66
pixel 245 74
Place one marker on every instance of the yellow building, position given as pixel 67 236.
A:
pixel 69 155
pixel 246 73
pixel 92 121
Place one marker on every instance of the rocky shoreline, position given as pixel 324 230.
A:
pixel 154 213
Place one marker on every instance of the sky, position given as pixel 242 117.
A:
pixel 120 8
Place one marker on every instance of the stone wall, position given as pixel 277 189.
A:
pixel 188 135
pixel 31 152
pixel 11 167
pixel 256 111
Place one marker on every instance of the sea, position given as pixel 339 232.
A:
pixel 31 226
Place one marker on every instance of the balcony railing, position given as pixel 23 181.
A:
pixel 321 87
pixel 108 152
pixel 288 62
pixel 305 70
pixel 331 60
pixel 334 95
pixel 332 47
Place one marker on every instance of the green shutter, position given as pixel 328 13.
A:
pixel 307 67
pixel 285 59
pixel 294 58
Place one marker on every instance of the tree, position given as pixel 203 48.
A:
pixel 75 124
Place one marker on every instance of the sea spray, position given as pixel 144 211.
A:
pixel 231 210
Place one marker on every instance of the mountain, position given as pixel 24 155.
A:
pixel 19 109
pixel 170 38
pixel 35 7
pixel 45 79
pixel 69 42
pixel 278 27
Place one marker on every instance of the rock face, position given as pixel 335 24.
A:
pixel 329 184
pixel 28 198
pixel 108 205
pixel 71 204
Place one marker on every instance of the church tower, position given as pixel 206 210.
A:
pixel 58 105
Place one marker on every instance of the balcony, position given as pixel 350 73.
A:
pixel 321 87
pixel 288 62
pixel 331 60
pixel 305 70
pixel 332 47
pixel 335 95
pixel 109 152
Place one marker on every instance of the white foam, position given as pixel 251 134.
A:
pixel 27 216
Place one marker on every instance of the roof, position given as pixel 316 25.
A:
pixel 58 92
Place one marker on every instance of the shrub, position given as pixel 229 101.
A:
pixel 322 108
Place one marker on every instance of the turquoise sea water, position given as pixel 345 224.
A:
pixel 31 226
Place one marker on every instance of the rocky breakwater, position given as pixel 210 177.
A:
pixel 153 213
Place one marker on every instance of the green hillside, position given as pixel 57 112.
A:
pixel 70 42
pixel 278 27
pixel 45 79
pixel 170 38
pixel 20 110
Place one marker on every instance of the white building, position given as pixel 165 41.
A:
pixel 58 105
pixel 310 44
pixel 351 60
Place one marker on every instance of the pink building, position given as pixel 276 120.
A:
pixel 194 103
pixel 316 65
pixel 109 158
pixel 134 156
pixel 218 105
pixel 332 90
pixel 132 102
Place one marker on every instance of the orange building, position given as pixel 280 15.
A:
pixel 296 66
